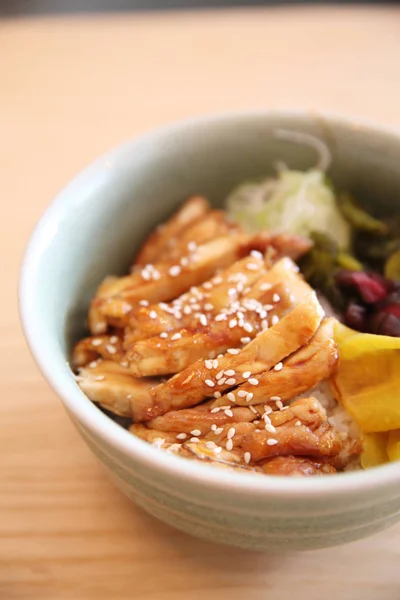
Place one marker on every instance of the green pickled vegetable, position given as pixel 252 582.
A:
pixel 349 262
pixel 359 218
pixel 392 266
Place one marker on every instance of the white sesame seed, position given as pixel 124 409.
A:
pixel 268 307
pixel 143 302
pixel 246 374
pixel 220 356
pixel 231 433
pixel 249 397
pixel 242 393
pixel 194 439
pixel 266 418
pixel 196 307
pixel 187 310
pixel 264 324
pixel 208 306
pixel 257 422
pixel 181 436
pixel 217 280
pixel 256 254
pixel 276 298
pixel 270 428
pixel 228 412
pixel 252 267
pixel 267 410
pixel 208 364
pixel 229 372
pixel 111 349
pixel 272 442
pixel 274 319
pixel 221 381
pixel 233 351
pixel 231 397
pixel 176 336
pixel 253 381
pixel 253 410
pixel 279 404
pixel 93 364
pixel 278 367
pixel 265 286
pixel 184 261
pixel 219 430
pixel 99 378
pixel 217 450
pixel 192 246
pixel 203 320
pixel 207 285
pixel 213 426
pixel 263 313
pixel 248 327
pixel 220 317
pixel 153 314
pixel 219 375
pixel 232 323
pixel 124 363
pixel 297 424
pixel 229 445
pixel 230 381
pixel 217 395
pixel 247 457
pixel 163 335
pixel 146 275
pixel 245 340
pixel 210 383
pixel 196 432
pixel 275 398
pixel 174 271
pixel 97 342
pixel 211 445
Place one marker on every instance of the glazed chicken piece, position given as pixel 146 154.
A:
pixel 296 466
pixel 114 388
pixel 193 384
pixel 301 371
pixel 300 430
pixel 200 420
pixel 92 348
pixel 153 436
pixel 164 282
pixel 161 240
pixel 214 225
pixel 208 299
pixel 173 353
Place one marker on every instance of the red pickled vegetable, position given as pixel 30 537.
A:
pixel 356 316
pixel 371 287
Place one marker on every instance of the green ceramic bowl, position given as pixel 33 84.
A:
pixel 94 227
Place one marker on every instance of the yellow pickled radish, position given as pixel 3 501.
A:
pixel 367 381
pixel 393 445
pixel 374 449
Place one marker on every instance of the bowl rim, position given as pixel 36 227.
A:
pixel 58 375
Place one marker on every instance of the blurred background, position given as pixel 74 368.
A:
pixel 15 7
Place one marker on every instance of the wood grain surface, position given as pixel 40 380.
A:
pixel 70 89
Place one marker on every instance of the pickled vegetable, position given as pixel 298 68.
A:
pixel 367 382
pixel 392 266
pixel 374 449
pixel 359 218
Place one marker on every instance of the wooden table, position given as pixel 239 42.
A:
pixel 70 89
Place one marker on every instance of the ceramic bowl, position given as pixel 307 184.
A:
pixel 94 227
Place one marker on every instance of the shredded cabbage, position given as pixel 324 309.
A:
pixel 295 202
